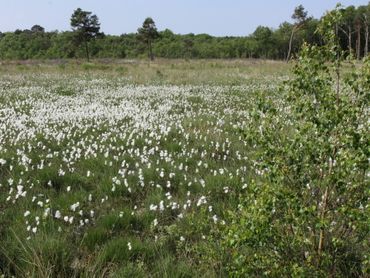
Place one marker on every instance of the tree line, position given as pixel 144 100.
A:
pixel 86 40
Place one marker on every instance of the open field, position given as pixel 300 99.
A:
pixel 175 72
pixel 130 169
pixel 208 150
pixel 122 169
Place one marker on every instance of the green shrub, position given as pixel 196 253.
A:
pixel 306 214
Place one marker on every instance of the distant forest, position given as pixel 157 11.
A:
pixel 265 42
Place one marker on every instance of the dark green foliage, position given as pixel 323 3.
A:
pixel 263 43
pixel 37 29
pixel 86 27
pixel 147 34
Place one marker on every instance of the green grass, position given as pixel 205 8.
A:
pixel 184 243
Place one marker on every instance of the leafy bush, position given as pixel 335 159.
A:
pixel 307 213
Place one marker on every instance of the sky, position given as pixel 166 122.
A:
pixel 215 17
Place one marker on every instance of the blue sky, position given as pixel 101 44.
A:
pixel 215 17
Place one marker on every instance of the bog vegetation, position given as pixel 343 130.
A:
pixel 187 169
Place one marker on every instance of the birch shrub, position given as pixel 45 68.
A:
pixel 306 212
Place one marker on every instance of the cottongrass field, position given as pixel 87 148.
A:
pixel 104 177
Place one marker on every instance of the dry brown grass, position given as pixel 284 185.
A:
pixel 161 71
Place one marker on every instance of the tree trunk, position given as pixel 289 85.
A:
pixel 322 231
pixel 150 50
pixel 87 51
pixel 366 40
pixel 366 51
pixel 349 37
pixel 358 42
pixel 350 40
pixel 290 44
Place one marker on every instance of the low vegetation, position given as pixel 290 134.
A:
pixel 187 169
